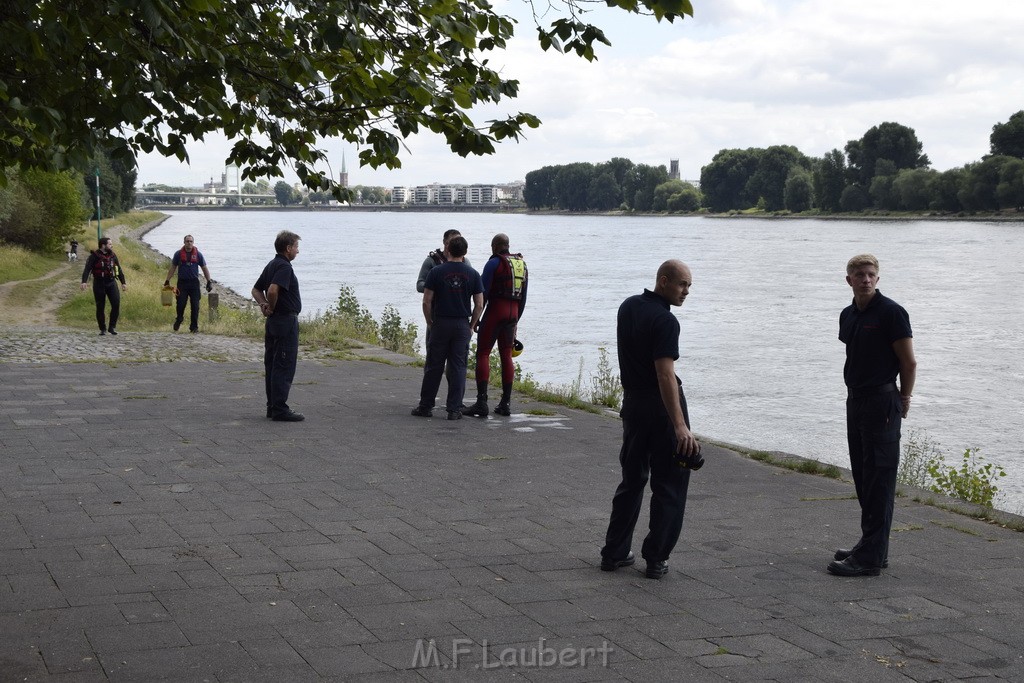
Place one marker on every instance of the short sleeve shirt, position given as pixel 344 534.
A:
pixel 187 268
pixel 646 331
pixel 454 284
pixel 869 336
pixel 279 272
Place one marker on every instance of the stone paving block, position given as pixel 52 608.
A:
pixel 71 652
pixel 227 661
pixel 346 662
pixel 308 635
pixel 136 637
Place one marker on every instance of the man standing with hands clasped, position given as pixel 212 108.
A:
pixel 657 443
pixel 277 293
pixel 879 346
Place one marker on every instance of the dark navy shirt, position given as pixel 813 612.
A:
pixel 454 284
pixel 279 272
pixel 646 331
pixel 188 269
pixel 869 336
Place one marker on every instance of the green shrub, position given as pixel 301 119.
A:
pixel 973 481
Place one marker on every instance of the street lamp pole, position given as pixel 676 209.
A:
pixel 99 213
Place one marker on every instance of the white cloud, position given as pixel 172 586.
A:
pixel 742 73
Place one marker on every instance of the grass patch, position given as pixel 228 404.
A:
pixel 26 294
pixel 18 263
pixel 541 412
pixel 957 527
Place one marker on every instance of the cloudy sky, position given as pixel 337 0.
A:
pixel 741 73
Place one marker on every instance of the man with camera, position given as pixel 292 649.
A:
pixel 657 443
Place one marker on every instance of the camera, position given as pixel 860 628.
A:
pixel 690 462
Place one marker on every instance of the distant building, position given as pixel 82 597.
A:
pixel 479 193
pixel 343 178
pixel 673 169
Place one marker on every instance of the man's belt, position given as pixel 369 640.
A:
pixel 862 392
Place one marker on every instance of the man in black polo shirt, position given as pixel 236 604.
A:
pixel 656 440
pixel 453 296
pixel 879 346
pixel 277 293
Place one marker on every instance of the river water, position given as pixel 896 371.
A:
pixel 760 359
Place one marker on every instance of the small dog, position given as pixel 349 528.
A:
pixel 72 256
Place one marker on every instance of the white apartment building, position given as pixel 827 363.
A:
pixel 437 193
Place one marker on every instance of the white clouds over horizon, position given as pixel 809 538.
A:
pixel 743 73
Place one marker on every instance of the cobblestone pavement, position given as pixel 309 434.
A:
pixel 41 345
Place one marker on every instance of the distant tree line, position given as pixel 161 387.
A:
pixel 885 169
pixel 44 209
pixel 616 184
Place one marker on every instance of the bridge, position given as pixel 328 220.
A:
pixel 175 197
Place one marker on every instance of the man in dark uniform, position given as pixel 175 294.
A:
pixel 879 346
pixel 187 261
pixel 277 293
pixel 656 440
pixel 452 300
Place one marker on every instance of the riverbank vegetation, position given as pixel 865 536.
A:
pixel 972 478
pixel 884 171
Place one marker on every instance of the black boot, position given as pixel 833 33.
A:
pixel 478 409
pixel 506 396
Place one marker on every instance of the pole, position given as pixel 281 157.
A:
pixel 99 213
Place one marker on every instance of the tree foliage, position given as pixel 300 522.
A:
pixel 1008 138
pixel 276 77
pixel 41 210
pixel 887 141
pixel 724 181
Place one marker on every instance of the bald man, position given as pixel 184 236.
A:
pixel 657 444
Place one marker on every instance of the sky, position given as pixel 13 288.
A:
pixel 741 73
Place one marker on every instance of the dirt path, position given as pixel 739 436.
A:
pixel 41 311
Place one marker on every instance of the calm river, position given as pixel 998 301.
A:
pixel 760 358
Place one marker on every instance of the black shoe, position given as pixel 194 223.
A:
pixel 177 324
pixel 502 409
pixel 290 416
pixel 478 409
pixel 112 331
pixel 102 332
pixel 850 567
pixel 656 570
pixel 422 411
pixel 843 553
pixel 454 415
pixel 610 565
pixel 194 331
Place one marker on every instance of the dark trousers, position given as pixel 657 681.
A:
pixel 648 453
pixel 188 292
pixel 106 288
pixel 448 341
pixel 281 352
pixel 873 433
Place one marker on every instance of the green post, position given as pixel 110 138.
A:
pixel 99 213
